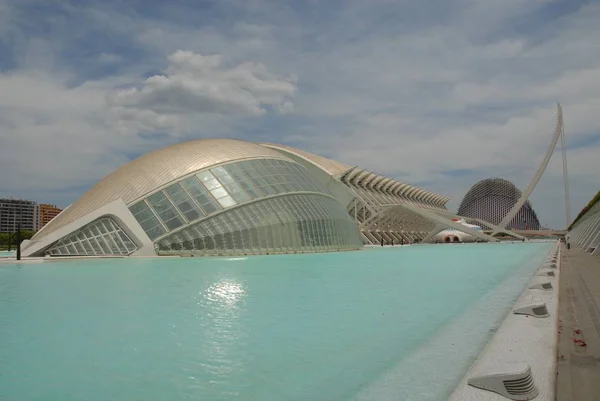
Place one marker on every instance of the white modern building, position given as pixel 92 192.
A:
pixel 230 197
pixel 493 199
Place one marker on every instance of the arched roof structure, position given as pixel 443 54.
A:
pixel 155 169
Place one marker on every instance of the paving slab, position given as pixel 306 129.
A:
pixel 578 366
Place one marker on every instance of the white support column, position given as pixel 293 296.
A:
pixel 588 228
pixel 525 194
pixel 594 243
pixel 595 251
pixel 592 233
pixel 578 232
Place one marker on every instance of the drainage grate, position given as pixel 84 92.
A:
pixel 540 310
pixel 547 286
pixel 535 310
pixel 521 387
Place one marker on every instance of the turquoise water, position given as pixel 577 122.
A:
pixel 6 254
pixel 336 326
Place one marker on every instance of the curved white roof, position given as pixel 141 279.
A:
pixel 331 167
pixel 155 169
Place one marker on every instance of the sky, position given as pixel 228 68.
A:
pixel 438 93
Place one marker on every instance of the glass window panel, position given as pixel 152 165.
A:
pixel 259 182
pixel 212 184
pixel 252 173
pixel 174 189
pixel 251 190
pixel 138 207
pixel 211 207
pixel 219 192
pixel 95 230
pixel 197 190
pixel 240 197
pixel 192 215
pixel 88 248
pixel 205 175
pixel 233 167
pixel 155 232
pixel 270 179
pixel 103 246
pixel 144 215
pixel 218 171
pixel 169 213
pixel 127 241
pixel 150 223
pixel 101 228
pixel 114 249
pixel 227 179
pixel 71 249
pixel 268 190
pixel 174 223
pixel 233 187
pixel 157 198
pixel 79 247
pixel 262 171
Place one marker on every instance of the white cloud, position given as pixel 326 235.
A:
pixel 196 84
pixel 56 136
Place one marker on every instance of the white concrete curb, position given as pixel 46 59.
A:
pixel 524 339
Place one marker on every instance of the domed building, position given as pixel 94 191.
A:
pixel 225 197
pixel 492 199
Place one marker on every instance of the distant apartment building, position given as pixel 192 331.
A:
pixel 14 210
pixel 47 213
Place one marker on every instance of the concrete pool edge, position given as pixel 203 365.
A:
pixel 522 338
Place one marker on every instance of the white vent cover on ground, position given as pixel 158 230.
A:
pixel 545 273
pixel 512 381
pixel 536 310
pixel 546 286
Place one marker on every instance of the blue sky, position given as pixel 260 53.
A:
pixel 440 93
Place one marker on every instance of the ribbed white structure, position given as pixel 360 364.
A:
pixel 585 233
pixel 374 197
pixel 492 199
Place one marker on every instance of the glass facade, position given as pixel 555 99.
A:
pixel 100 237
pixel 212 190
pixel 286 224
pixel 285 221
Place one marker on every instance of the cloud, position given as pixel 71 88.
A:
pixel 439 94
pixel 196 84
pixel 56 136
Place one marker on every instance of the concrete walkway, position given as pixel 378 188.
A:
pixel 579 327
